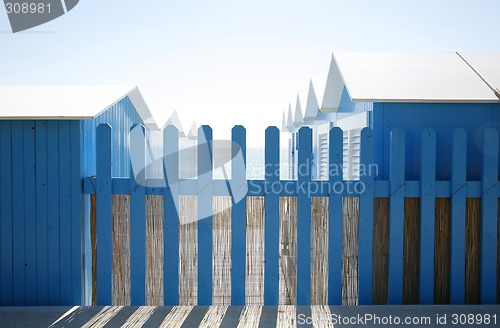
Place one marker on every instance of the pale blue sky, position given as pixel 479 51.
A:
pixel 231 62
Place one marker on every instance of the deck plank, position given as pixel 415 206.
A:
pixel 176 317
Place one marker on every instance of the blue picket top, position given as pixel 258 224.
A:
pixel 396 217
pixel 427 216
pixel 304 218
pixel 365 250
pixel 238 222
pixel 271 217
pixel 205 176
pixel 489 218
pixel 104 215
pixel 170 216
pixel 138 216
pixel 457 224
pixel 336 162
pixel 6 224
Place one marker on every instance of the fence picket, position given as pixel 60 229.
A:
pixel 271 217
pixel 137 215
pixel 171 216
pixel 489 218
pixel 104 218
pixel 205 235
pixel 304 218
pixel 365 250
pixel 335 217
pixel 458 201
pixel 238 222
pixel 427 216
pixel 396 216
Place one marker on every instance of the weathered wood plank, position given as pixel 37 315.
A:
pixel 176 317
pixel 411 250
pixel 254 282
pixel 214 316
pixel 250 317
pixel 381 251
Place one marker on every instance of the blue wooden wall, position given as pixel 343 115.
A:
pixel 45 251
pixel 40 213
pixel 444 119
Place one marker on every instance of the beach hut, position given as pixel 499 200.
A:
pixel 413 91
pixel 47 147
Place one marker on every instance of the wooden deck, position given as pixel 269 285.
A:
pixel 250 316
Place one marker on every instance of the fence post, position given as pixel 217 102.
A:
pixel 137 215
pixel 489 218
pixel 365 250
pixel 170 216
pixel 396 216
pixel 304 218
pixel 104 215
pixel 271 217
pixel 238 222
pixel 427 216
pixel 205 178
pixel 458 201
pixel 335 168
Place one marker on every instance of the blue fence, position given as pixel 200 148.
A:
pixel 396 189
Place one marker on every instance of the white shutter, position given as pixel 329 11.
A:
pixel 323 156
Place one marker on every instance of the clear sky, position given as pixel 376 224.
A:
pixel 231 62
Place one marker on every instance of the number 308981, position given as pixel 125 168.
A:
pixel 27 8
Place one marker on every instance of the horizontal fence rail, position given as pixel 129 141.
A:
pixel 428 222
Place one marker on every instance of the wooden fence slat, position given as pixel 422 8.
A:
pixel 6 223
pixel 304 218
pixel 205 177
pixel 65 212
pixel 171 216
pixel 18 214
pixel 457 222
pixel 365 264
pixel 238 222
pixel 271 217
pixel 137 215
pixel 396 217
pixel 489 218
pixel 104 218
pixel 335 218
pixel 427 216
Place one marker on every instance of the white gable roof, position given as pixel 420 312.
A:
pixel 406 77
pixel 289 123
pixel 300 103
pixel 487 65
pixel 316 90
pixel 67 102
